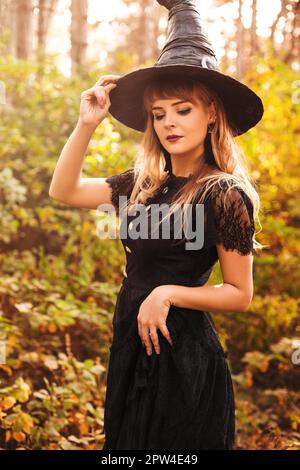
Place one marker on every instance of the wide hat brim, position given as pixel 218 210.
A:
pixel 243 107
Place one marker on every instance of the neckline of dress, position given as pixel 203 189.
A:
pixel 169 170
pixel 179 177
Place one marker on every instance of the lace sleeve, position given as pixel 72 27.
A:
pixel 121 185
pixel 232 214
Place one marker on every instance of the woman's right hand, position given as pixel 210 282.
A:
pixel 95 101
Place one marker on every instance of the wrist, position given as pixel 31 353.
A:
pixel 167 292
pixel 81 125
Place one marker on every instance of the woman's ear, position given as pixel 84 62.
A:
pixel 212 111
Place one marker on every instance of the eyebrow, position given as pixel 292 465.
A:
pixel 177 102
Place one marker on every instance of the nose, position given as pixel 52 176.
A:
pixel 168 121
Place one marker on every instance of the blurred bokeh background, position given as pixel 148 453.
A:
pixel 59 280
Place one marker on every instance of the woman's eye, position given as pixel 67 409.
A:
pixel 183 112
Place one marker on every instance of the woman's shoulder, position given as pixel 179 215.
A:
pixel 228 190
pixel 121 184
pixel 122 178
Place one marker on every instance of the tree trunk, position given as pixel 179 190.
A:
pixel 24 28
pixel 46 11
pixel 79 10
pixel 240 44
pixel 7 26
pixel 254 42
pixel 293 53
pixel 282 12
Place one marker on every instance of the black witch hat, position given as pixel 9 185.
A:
pixel 189 53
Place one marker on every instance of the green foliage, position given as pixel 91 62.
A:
pixel 59 281
pixel 54 268
pixel 267 383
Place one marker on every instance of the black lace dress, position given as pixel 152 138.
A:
pixel 182 398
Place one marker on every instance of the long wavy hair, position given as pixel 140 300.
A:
pixel 229 159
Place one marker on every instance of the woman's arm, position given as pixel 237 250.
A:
pixel 66 176
pixel 235 294
pixel 67 185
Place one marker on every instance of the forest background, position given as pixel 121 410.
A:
pixel 59 280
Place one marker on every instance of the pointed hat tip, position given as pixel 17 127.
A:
pixel 171 3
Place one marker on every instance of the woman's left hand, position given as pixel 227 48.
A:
pixel 152 314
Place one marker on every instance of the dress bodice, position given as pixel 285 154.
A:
pixel 155 260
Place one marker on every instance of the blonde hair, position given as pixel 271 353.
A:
pixel 229 158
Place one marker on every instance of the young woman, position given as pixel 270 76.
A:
pixel 168 384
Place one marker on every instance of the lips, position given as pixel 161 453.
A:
pixel 173 139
